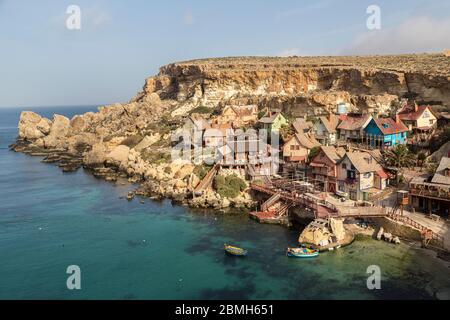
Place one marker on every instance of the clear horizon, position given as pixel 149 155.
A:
pixel 119 45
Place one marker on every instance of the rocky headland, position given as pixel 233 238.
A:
pixel 133 140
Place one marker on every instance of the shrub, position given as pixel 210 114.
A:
pixel 201 171
pixel 202 110
pixel 229 186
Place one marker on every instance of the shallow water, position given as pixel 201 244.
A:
pixel 128 250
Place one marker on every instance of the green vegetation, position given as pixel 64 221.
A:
pixel 312 153
pixel 155 157
pixel 229 186
pixel 399 157
pixel 201 171
pixel 262 113
pixel 286 132
pixel 202 110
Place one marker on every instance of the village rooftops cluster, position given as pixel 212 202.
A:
pixel 347 157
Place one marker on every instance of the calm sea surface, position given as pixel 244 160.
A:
pixel 128 250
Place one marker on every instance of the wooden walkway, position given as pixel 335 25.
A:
pixel 324 209
pixel 207 180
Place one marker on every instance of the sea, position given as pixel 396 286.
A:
pixel 50 221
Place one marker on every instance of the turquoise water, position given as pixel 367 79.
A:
pixel 128 250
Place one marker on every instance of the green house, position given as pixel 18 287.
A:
pixel 273 122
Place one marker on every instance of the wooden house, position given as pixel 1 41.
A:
pixel 418 118
pixel 351 128
pixel 385 132
pixel 432 194
pixel 301 125
pixel 298 147
pixel 360 175
pixel 273 121
pixel 324 168
pixel 239 116
pixel 325 129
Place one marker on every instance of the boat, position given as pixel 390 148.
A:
pixel 235 251
pixel 301 253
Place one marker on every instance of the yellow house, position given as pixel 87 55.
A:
pixel 297 148
pixel 239 115
pixel 418 118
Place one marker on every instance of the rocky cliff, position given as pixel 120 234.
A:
pixel 132 140
pixel 303 84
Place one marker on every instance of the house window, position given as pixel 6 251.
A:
pixel 351 174
pixel 344 166
pixel 431 121
pixel 292 147
pixel 367 175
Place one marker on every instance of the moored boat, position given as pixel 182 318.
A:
pixel 235 251
pixel 301 253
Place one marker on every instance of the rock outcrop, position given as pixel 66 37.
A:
pixel 298 84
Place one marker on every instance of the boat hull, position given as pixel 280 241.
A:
pixel 234 251
pixel 303 253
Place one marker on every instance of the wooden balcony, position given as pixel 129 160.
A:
pixel 431 191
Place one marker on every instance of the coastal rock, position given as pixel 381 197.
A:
pixel 32 126
pixel 58 132
pixel 95 157
pixel 148 141
pixel 119 155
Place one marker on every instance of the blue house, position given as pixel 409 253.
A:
pixel 386 132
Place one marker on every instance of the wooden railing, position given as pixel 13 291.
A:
pixel 208 179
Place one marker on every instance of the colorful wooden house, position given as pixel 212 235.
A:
pixel 324 168
pixel 360 175
pixel 418 118
pixel 385 132
pixel 240 116
pixel 351 128
pixel 325 129
pixel 273 122
pixel 432 194
pixel 298 147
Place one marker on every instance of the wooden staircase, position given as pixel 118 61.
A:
pixel 207 180
pixel 270 202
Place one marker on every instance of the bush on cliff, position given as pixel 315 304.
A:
pixel 202 110
pixel 229 186
pixel 201 171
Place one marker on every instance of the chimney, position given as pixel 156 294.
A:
pixel 416 107
pixel 397 118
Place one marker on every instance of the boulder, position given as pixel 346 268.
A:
pixel 77 125
pixel 119 156
pixel 95 157
pixel 58 132
pixel 32 126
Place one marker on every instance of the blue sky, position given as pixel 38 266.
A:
pixel 42 63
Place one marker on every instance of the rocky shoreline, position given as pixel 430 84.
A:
pixel 174 181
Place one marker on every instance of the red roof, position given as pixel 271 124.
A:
pixel 389 126
pixel 382 174
pixel 410 114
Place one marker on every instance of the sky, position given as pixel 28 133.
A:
pixel 120 43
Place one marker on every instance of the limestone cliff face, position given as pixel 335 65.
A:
pixel 303 84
